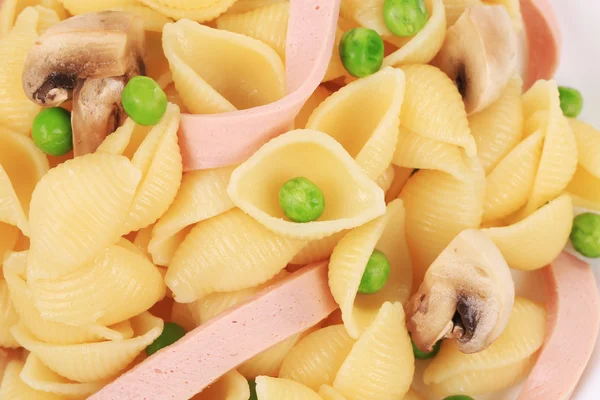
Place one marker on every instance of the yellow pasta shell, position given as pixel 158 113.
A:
pixel 76 7
pixel 12 8
pixel 283 389
pixel 401 176
pixel 316 359
pixel 216 84
pixel 433 107
pixel 202 195
pixel 315 99
pixel 588 146
pixel 455 8
pixel 352 198
pixel 510 183
pixel 364 117
pixel 350 258
pixel 11 212
pixel 197 10
pixel 8 317
pixel 385 351
pixel 498 128
pixel 153 20
pixel 78 209
pixel 329 393
pixel 318 250
pixel 538 239
pixel 513 7
pixel 13 386
pixel 499 366
pixel 243 6
pixel 585 189
pixel 9 236
pixel 230 244
pixel 93 362
pixel 231 386
pixel 385 180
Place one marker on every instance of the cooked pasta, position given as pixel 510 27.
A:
pixel 318 250
pixel 12 8
pixel 11 212
pixel 318 96
pixel 329 393
pixel 198 10
pixel 283 389
pixel 585 189
pixel 385 180
pixel 242 6
pixel 76 7
pixel 588 142
pixel 153 20
pixel 8 317
pixel 231 386
pixel 455 8
pixel 513 7
pixel 13 387
pixel 401 176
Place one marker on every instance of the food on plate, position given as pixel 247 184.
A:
pixel 291 199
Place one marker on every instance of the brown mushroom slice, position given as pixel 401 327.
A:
pixel 95 45
pixel 480 55
pixel 467 295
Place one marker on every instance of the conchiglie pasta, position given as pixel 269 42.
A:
pixel 243 6
pixel 364 117
pixel 153 20
pixel 401 176
pixel 585 189
pixel 12 216
pixel 498 128
pixel 455 8
pixel 12 8
pixel 202 195
pixel 8 317
pixel 75 212
pixel 328 393
pixel 315 99
pixel 513 7
pixel 120 283
pixel 351 197
pixel 13 386
pixel 230 244
pixel 349 260
pixel 216 84
pixel 588 145
pixel 269 361
pixel 535 241
pixel 76 7
pixel 511 181
pixel 390 372
pixel 231 386
pixel 318 250
pixel 384 181
pixel 93 362
pixel 283 389
pixel 433 107
pixel 316 359
pixel 197 10
pixel 498 367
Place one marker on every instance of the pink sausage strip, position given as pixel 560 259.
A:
pixel 543 40
pixel 211 141
pixel 205 354
pixel 573 321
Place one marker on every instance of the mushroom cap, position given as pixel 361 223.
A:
pixel 480 55
pixel 467 294
pixel 94 45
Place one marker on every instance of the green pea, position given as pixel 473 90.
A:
pixel 301 200
pixel 253 395
pixel 51 131
pixel 376 273
pixel 459 397
pixel 585 234
pixel 571 101
pixel 361 52
pixel 423 355
pixel 170 334
pixel 405 17
pixel 144 101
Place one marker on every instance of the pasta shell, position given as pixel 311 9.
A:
pixel 385 351
pixel 93 362
pixel 16 110
pixel 318 96
pixel 510 183
pixel 427 89
pixel 415 151
pixel 513 7
pixel 76 7
pixel 421 48
pixel 439 207
pixel 243 6
pixel 316 359
pixel 9 236
pixel 231 244
pixel 197 10
pixel 501 365
pixel 8 317
pixel 585 189
pixel 269 361
pixel 385 180
pixel 231 386
pixel 202 195
pixel 13 386
pixel 120 283
pixel 45 330
pixel 283 389
pixel 12 8
pixel 538 239
pixel 588 146
pixel 328 393
pixel 216 84
pixel 318 250
pixel 39 377
pixel 498 128
pixel 350 258
pixel 352 198
pixel 11 212
pixel 401 176
pixel 364 118
pixel 153 20
pixel 75 212
pixel 455 8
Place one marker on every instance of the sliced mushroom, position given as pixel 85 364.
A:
pixel 467 295
pixel 480 54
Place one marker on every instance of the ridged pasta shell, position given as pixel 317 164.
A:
pixel 364 117
pixel 588 145
pixel 498 128
pixel 585 189
pixel 215 84
pixel 197 10
pixel 455 8
pixel 328 393
pixel 93 362
pixel 231 386
pixel 78 209
pixel 511 181
pixel 11 212
pixel 9 237
pixel 513 7
pixel 202 195
pixel 76 7
pixel 119 282
pixel 499 366
pixel 351 197
pixel 439 207
pixel 45 330
pixel 316 359
pixel 14 388
pixel 153 20
pixel 535 241
pixel 230 244
pixel 12 8
pixel 283 389
pixel 8 317
pixel 39 377
pixel 416 151
pixel 421 48
pixel 243 6
pixel 385 351
pixel 350 258
pixel 434 108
